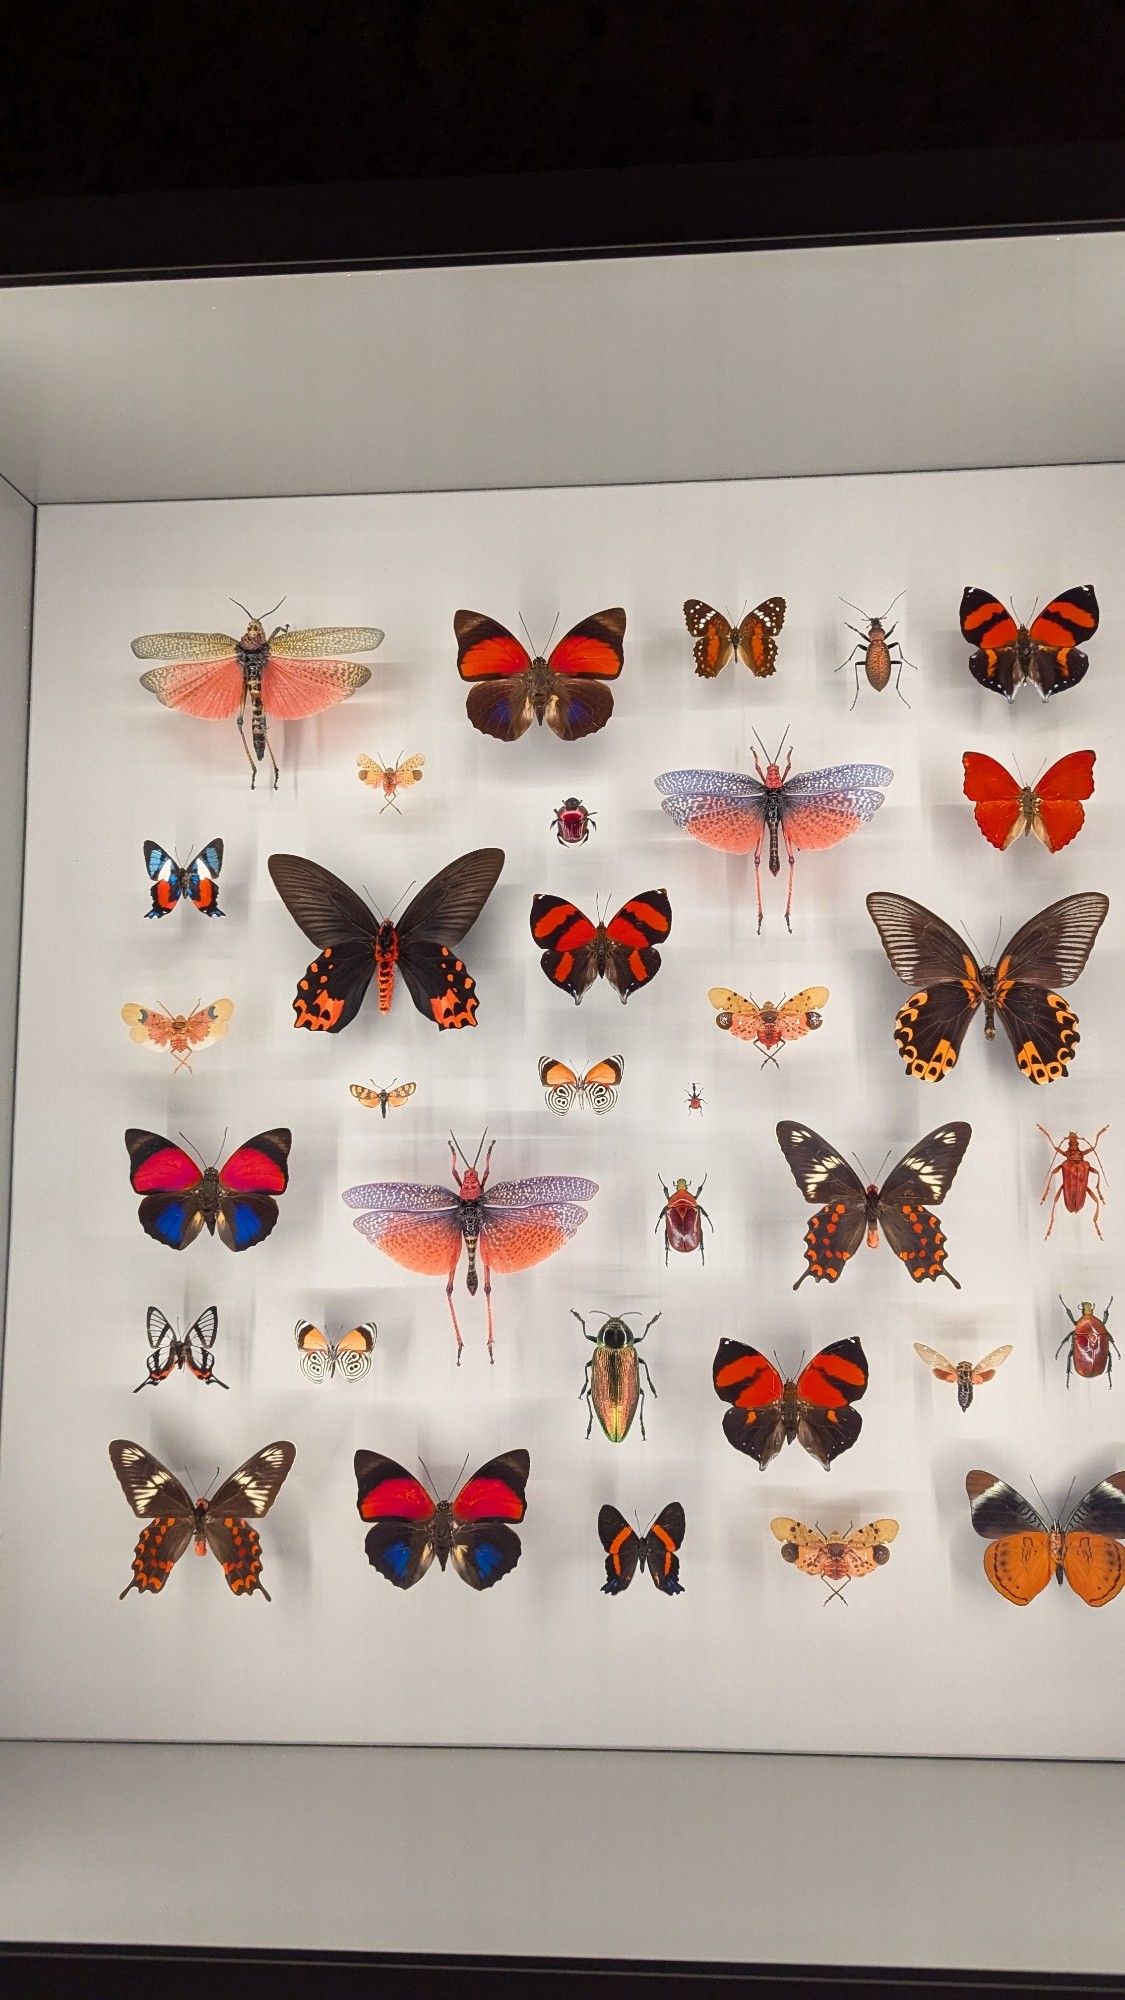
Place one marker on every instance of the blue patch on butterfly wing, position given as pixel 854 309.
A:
pixel 155 859
pixel 169 1224
pixel 488 1559
pixel 397 1557
pixel 211 856
pixel 248 1226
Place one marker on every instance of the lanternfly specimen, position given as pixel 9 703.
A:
pixel 282 678
pixel 181 1034
pixel 768 1027
pixel 390 779
pixel 836 1554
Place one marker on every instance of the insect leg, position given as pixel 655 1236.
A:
pixel 1055 1203
pixel 240 722
pixel 449 1301
pixel 487 1293
pixel 273 759
pixel 1095 1186
pixel 758 875
pixel 855 697
pixel 898 679
pixel 791 856
pixel 851 656
pixel 1068 1312
pixel 585 1391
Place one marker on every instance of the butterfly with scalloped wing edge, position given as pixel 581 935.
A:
pixel 836 1554
pixel 195 881
pixel 848 1210
pixel 565 689
pixel 168 1350
pixel 183 1035
pixel 770 1410
pixel 657 1550
pixel 351 1354
pixel 768 1027
pixel 621 951
pixel 286 676
pixel 218 1524
pixel 1051 808
pixel 411 1527
pixel 753 640
pixel 1048 951
pixel 181 1198
pixel 1026 1549
pixel 564 1086
pixel 355 945
pixel 966 1375
pixel 1043 654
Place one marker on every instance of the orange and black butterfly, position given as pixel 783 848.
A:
pixel 849 1211
pixel 564 1086
pixel 1051 808
pixel 657 1551
pixel 769 1411
pixel 621 951
pixel 356 946
pixel 377 1097
pixel 836 1554
pixel 219 1524
pixel 1044 654
pixel 1047 952
pixel 717 641
pixel 320 1356
pixel 510 689
pixel 1025 1550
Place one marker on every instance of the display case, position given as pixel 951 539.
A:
pixel 834 427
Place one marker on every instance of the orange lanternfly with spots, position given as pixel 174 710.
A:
pixel 836 1554
pixel 1090 1344
pixel 356 945
pixel 848 1211
pixel 390 778
pixel 1077 1178
pixel 219 1524
pixel 683 1217
pixel 876 650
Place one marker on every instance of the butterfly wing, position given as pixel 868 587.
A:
pixel 600 1084
pixel 344 930
pixel 821 808
pixel 1059 812
pixel 201 879
pixel 1047 952
pixel 929 955
pixel 485 1548
pixel 400 1543
pixel 560 1084
pixel 757 637
pixel 251 1489
pixel 924 1174
pixel 752 1385
pixel 200 674
pixel 248 1182
pixel 1017 1561
pixel 1056 634
pixel 436 919
pixel 833 1380
pixel 315 1349
pixel 352 1352
pixel 169 1181
pixel 714 636
pixel 824 1177
pixel 661 1549
pixel 155 1495
pixel 622 1550
pixel 528 1220
pixel 197 1345
pixel 1093 1559
pixel 988 625
pixel 499 667
pixel 167 879
pixel 585 658
pixel 400 1095
pixel 570 960
pixel 996 798
pixel 631 937
pixel 723 809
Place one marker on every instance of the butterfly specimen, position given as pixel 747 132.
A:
pixel 563 1086
pixel 355 945
pixel 929 956
pixel 1051 808
pixel 391 778
pixel 218 1524
pixel 410 1527
pixel 837 1555
pixel 968 1375
pixel 180 1198
pixel 351 1354
pixel 198 881
pixel 848 1211
pixel 622 951
pixel 768 1410
pixel 509 689
pixel 717 640
pixel 514 1224
pixel 766 1026
pixel 194 1351
pixel 1045 653
pixel 875 651
pixel 394 1095
pixel 658 1551
pixel 1025 1550
pixel 282 678
pixel 734 812
pixel 180 1034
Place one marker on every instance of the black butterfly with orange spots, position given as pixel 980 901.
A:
pixel 1047 952
pixel 621 951
pixel 1043 655
pixel 355 945
pixel 849 1211
pixel 768 1411
pixel 657 1550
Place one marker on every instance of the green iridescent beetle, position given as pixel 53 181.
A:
pixel 612 1382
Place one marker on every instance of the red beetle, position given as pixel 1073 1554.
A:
pixel 1077 1178
pixel 1090 1343
pixel 683 1217
pixel 572 823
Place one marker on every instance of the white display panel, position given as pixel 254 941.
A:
pixel 742 1660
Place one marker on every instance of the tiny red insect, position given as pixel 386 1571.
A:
pixel 573 823
pixel 683 1217
pixel 1077 1178
pixel 1090 1344
pixel 694 1098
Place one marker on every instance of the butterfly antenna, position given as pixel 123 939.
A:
pixel 996 939
pixel 428 1473
pixel 398 899
pixel 973 942
pixel 1048 1515
pixel 552 631
pixel 190 1147
pixel 527 634
pixel 862 1169
pixel 373 903
pixel 883 1162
